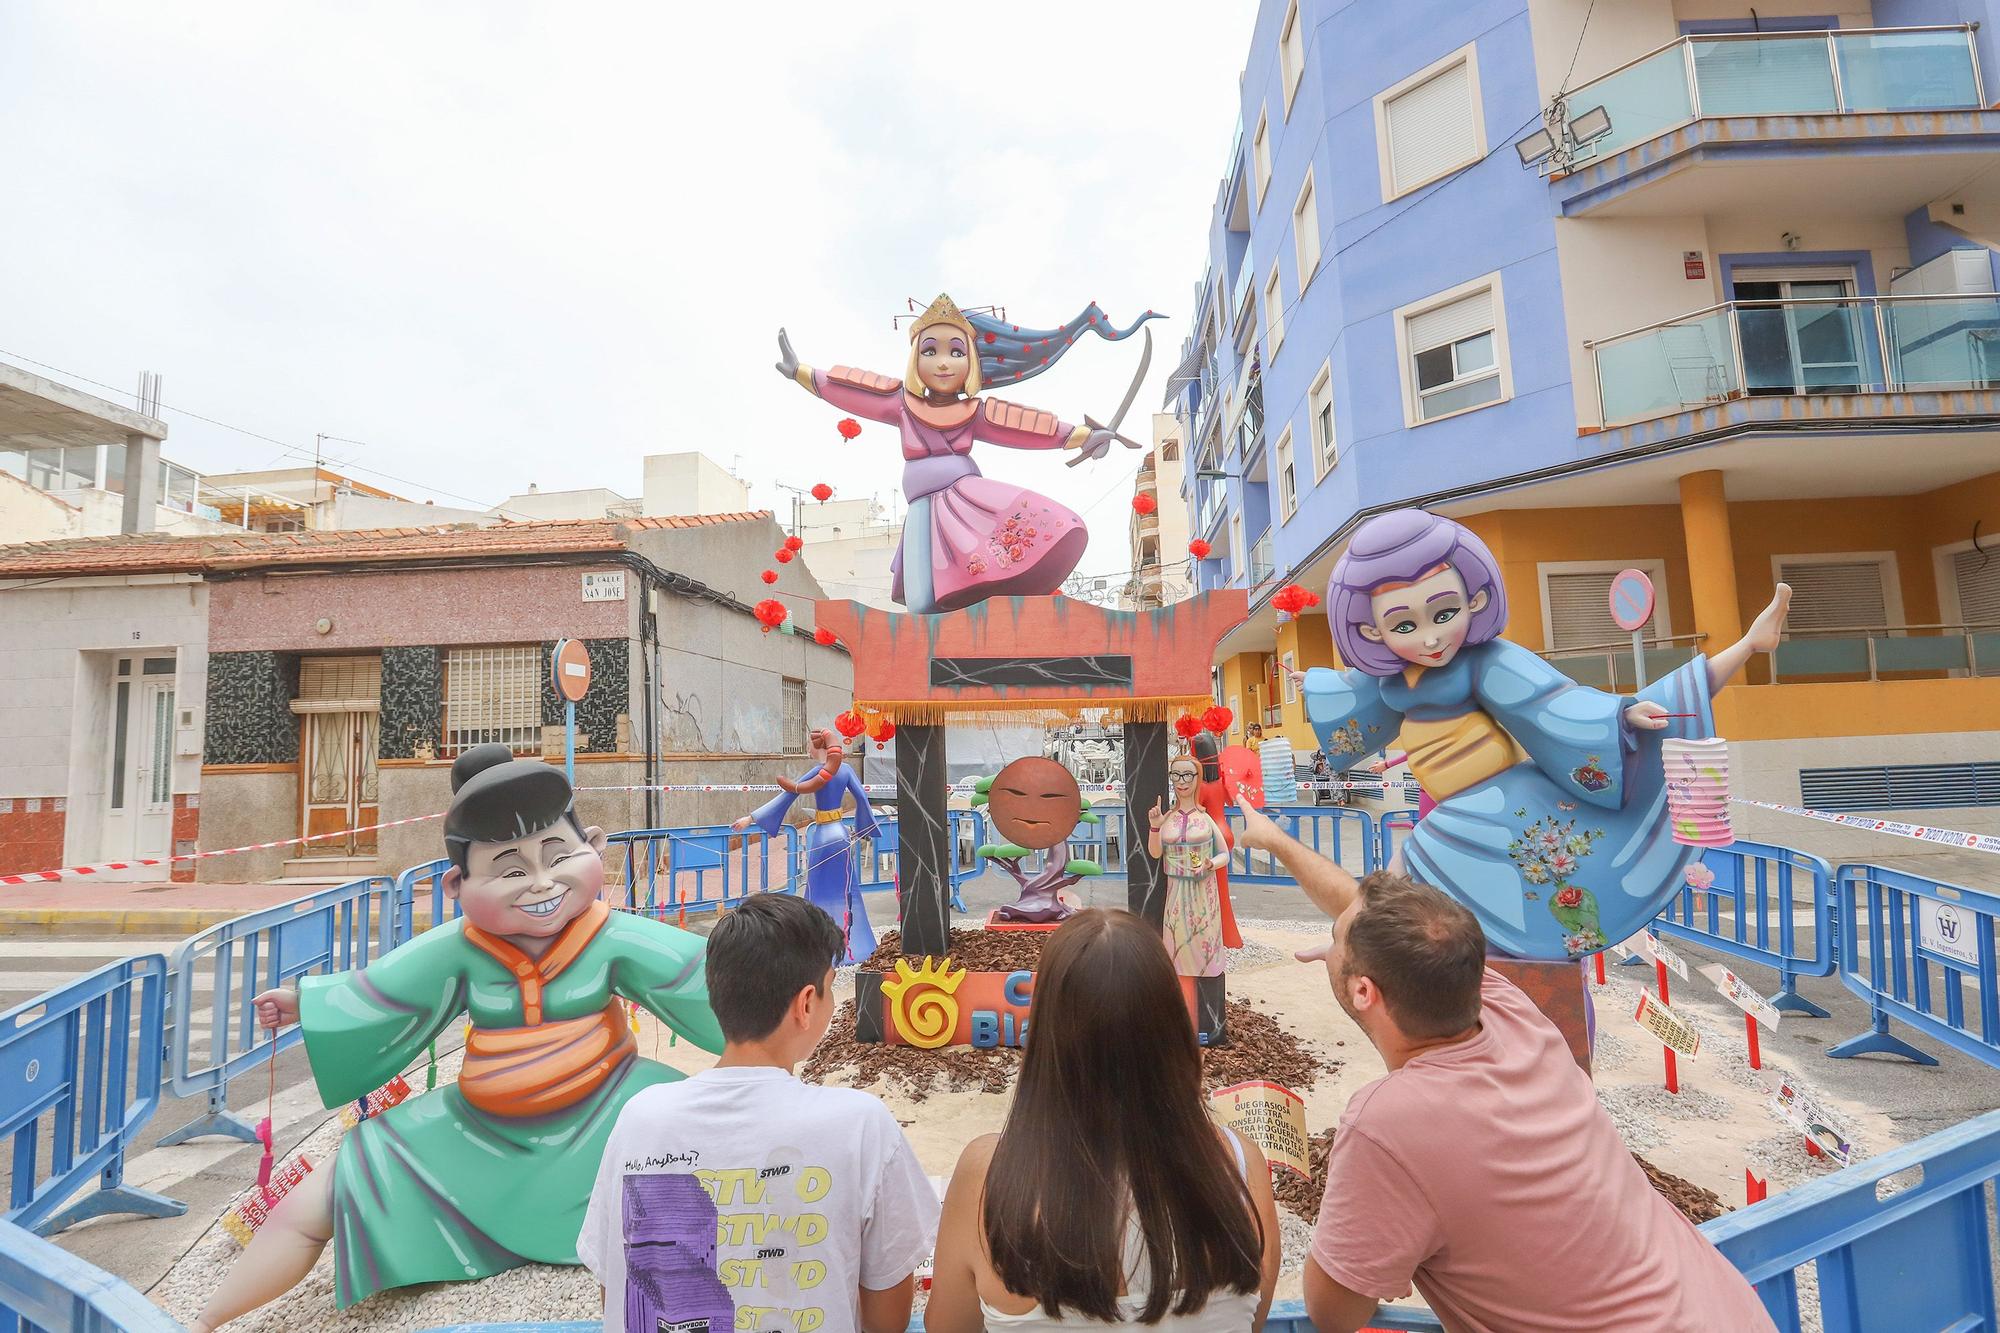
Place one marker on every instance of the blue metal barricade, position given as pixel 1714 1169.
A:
pixel 426 881
pixel 46 1289
pixel 1391 827
pixel 875 858
pixel 330 931
pixel 86 1057
pixel 1908 1258
pixel 1911 946
pixel 1343 836
pixel 1763 904
pixel 671 873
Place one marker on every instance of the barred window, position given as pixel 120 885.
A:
pixel 795 716
pixel 493 694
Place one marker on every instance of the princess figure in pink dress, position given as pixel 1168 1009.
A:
pixel 969 537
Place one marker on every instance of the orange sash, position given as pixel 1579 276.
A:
pixel 543 1066
pixel 521 1072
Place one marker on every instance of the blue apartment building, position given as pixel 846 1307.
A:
pixel 1748 333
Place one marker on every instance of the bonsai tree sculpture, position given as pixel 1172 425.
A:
pixel 1036 806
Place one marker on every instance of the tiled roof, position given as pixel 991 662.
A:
pixel 159 553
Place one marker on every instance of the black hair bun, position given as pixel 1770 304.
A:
pixel 475 761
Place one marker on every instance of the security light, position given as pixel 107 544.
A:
pixel 1535 147
pixel 1592 124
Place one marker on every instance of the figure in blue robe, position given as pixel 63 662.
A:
pixel 831 880
pixel 1551 808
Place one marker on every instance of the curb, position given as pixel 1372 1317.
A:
pixel 116 921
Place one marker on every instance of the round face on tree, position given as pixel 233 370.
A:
pixel 1035 803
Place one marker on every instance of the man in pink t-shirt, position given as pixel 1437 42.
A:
pixel 1481 1168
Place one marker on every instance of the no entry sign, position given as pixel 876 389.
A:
pixel 569 672
pixel 1631 600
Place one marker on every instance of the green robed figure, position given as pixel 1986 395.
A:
pixel 493 1171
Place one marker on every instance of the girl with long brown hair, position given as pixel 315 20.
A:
pixel 1109 1196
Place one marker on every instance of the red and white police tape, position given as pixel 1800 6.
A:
pixel 140 862
pixel 1978 842
pixel 169 859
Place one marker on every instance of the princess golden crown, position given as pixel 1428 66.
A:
pixel 944 311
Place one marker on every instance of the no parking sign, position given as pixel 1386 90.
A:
pixel 1631 608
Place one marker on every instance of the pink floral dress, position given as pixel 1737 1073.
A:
pixel 968 537
pixel 1189 844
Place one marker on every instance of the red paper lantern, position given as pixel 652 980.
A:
pixel 782 556
pixel 794 543
pixel 849 724
pixel 1289 598
pixel 822 492
pixel 1187 726
pixel 1217 719
pixel 1144 504
pixel 823 636
pixel 1199 549
pixel 769 576
pixel 848 428
pixel 770 613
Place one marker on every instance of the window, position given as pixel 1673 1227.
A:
pixel 1576 603
pixel 1260 154
pixel 1319 405
pixel 1290 663
pixel 1274 314
pixel 1429 125
pixel 1969 584
pixel 1454 352
pixel 1305 233
pixel 1170 451
pixel 1288 486
pixel 1292 54
pixel 493 694
pixel 1851 590
pixel 795 716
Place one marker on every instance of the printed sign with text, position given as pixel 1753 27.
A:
pixel 1672 1031
pixel 1950 931
pixel 1271 1117
pixel 1658 948
pixel 1743 995
pixel 604 585
pixel 1795 1107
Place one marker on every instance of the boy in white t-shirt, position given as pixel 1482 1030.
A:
pixel 744 1199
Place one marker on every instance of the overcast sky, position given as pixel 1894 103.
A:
pixel 515 243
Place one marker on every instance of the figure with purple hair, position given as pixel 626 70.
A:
pixel 1550 822
pixel 969 537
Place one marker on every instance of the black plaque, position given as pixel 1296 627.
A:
pixel 1110 670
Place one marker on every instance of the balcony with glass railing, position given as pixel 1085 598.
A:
pixel 1783 119
pixel 1819 346
pixel 1838 72
pixel 1261 567
pixel 1611 666
pixel 1888 652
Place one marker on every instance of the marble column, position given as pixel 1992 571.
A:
pixel 924 853
pixel 1145 785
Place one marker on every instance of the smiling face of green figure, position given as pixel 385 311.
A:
pixel 530 887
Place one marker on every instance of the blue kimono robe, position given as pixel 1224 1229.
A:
pixel 830 878
pixel 1551 821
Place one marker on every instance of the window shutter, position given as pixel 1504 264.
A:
pixel 1580 610
pixel 1448 323
pixel 1794 273
pixel 1430 128
pixel 339 685
pixel 1838 594
pixel 1977 575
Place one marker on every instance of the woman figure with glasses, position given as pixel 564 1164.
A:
pixel 1191 847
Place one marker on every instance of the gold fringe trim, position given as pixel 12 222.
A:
pixel 933 712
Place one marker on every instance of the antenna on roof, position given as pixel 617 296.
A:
pixel 148 397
